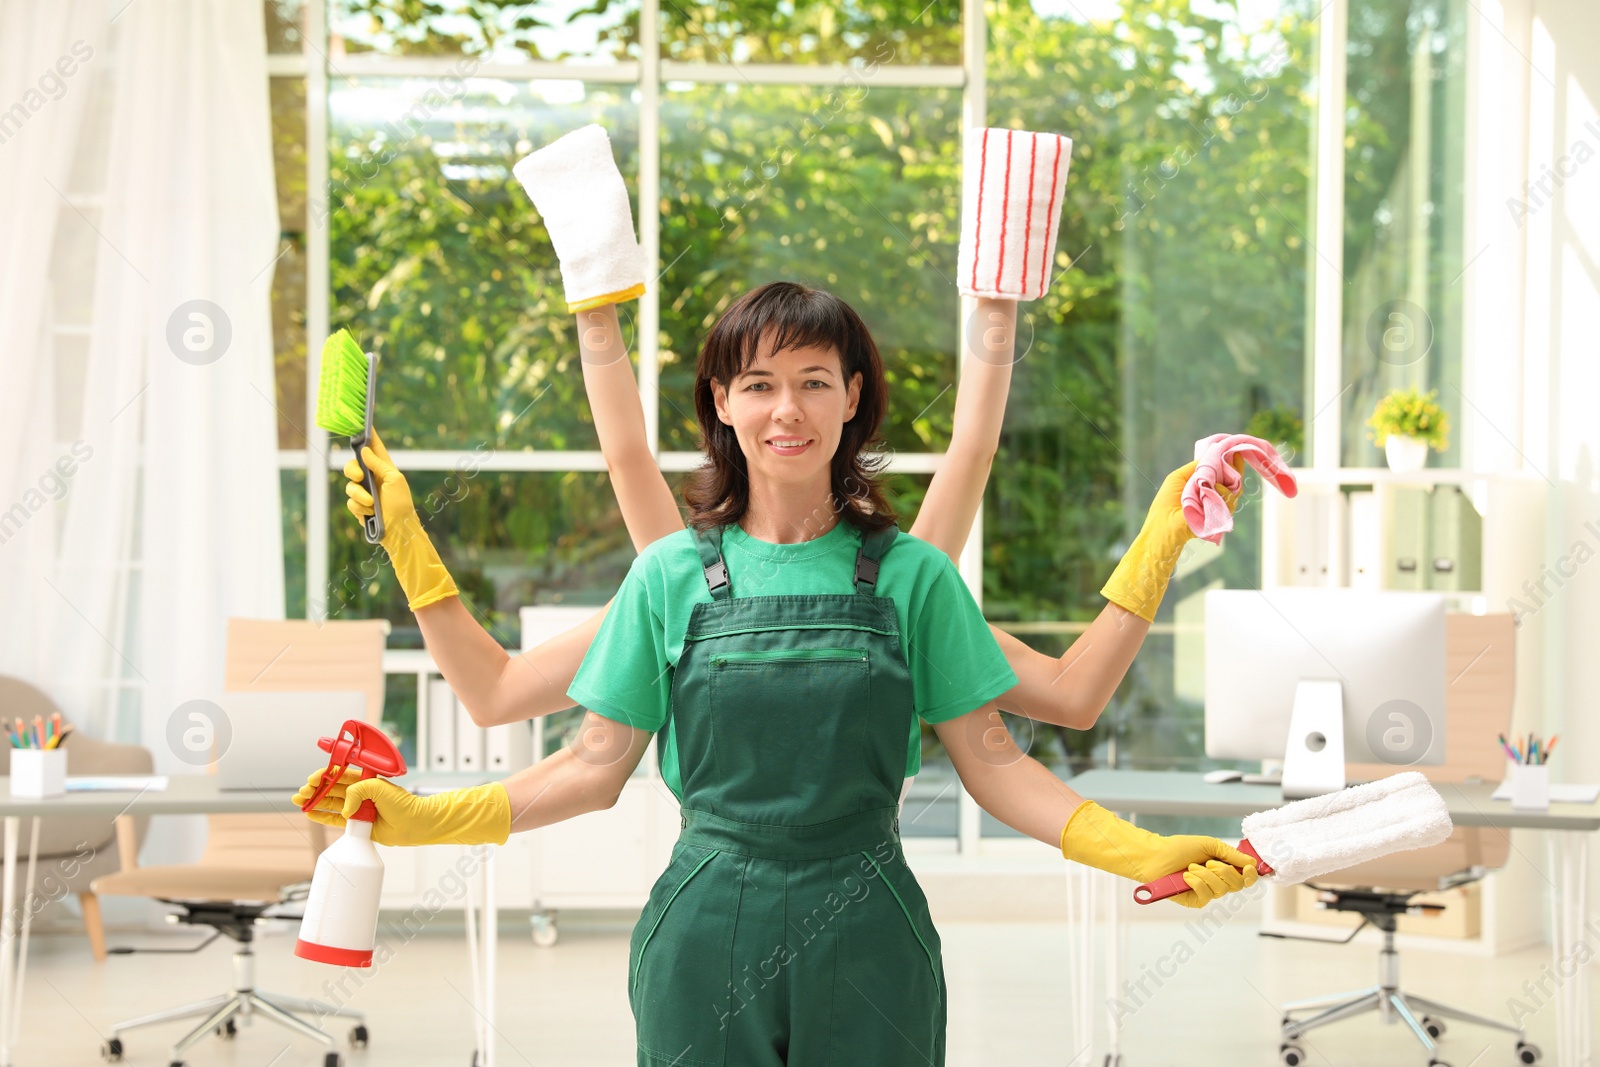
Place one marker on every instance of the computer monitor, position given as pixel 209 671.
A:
pixel 1316 676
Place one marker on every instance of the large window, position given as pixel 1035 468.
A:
pixel 823 144
pixel 1403 200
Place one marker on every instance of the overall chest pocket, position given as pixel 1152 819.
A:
pixel 791 725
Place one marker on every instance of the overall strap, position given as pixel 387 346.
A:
pixel 709 544
pixel 873 546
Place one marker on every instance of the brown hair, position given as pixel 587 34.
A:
pixel 718 492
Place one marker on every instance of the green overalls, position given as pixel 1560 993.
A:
pixel 787 928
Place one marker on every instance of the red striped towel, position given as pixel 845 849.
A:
pixel 1012 189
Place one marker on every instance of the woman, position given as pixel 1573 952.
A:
pixel 784 648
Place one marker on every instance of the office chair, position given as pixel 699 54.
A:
pixel 1480 663
pixel 253 865
pixel 75 850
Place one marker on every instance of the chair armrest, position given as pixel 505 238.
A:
pixel 127 842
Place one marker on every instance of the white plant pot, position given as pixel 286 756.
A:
pixel 1406 455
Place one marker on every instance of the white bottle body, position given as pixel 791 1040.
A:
pixel 341 915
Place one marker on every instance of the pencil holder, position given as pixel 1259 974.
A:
pixel 38 772
pixel 1530 785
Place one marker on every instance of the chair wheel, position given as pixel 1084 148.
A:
pixel 358 1036
pixel 1437 1063
pixel 332 1059
pixel 1291 1055
pixel 1435 1027
pixel 176 1063
pixel 1527 1053
pixel 112 1050
pixel 228 1030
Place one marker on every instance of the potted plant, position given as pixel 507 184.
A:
pixel 1406 423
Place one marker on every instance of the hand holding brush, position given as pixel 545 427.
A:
pixel 416 562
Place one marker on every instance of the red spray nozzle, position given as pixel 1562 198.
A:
pixel 360 745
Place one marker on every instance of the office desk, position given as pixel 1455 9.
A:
pixel 1134 793
pixel 190 794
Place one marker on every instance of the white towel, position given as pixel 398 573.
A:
pixel 1320 835
pixel 1012 188
pixel 575 184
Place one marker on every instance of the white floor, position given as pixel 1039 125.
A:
pixel 566 1005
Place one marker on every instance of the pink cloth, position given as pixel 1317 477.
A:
pixel 1207 513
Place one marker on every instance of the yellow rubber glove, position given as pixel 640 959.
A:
pixel 416 562
pixel 1140 580
pixel 1097 838
pixel 476 816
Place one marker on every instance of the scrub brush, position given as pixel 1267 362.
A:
pixel 346 390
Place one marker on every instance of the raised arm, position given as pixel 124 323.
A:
pixel 648 507
pixel 951 504
pixel 1020 792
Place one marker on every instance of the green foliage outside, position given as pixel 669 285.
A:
pixel 1281 426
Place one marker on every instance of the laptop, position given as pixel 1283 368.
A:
pixel 273 742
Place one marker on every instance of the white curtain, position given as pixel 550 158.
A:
pixel 49 56
pixel 172 520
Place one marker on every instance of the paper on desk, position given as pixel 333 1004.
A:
pixel 115 783
pixel 1559 794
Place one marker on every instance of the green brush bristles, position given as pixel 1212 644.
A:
pixel 342 386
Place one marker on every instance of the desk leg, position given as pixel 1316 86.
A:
pixel 468 911
pixel 491 937
pixel 1082 927
pixel 1116 962
pixel 8 929
pixel 1093 911
pixel 1569 910
pixel 27 924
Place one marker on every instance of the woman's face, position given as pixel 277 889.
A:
pixel 788 411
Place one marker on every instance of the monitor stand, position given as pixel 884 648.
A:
pixel 1313 761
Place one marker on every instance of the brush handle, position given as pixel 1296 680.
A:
pixel 1173 884
pixel 373 525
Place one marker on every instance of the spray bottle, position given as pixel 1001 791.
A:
pixel 341 917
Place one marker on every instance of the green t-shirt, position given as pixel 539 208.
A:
pixel 955 663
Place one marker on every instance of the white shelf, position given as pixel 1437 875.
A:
pixel 1385 476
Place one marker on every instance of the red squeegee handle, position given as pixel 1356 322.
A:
pixel 1173 884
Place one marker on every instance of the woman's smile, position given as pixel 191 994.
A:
pixel 789 446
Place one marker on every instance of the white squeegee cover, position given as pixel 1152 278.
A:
pixel 1319 835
